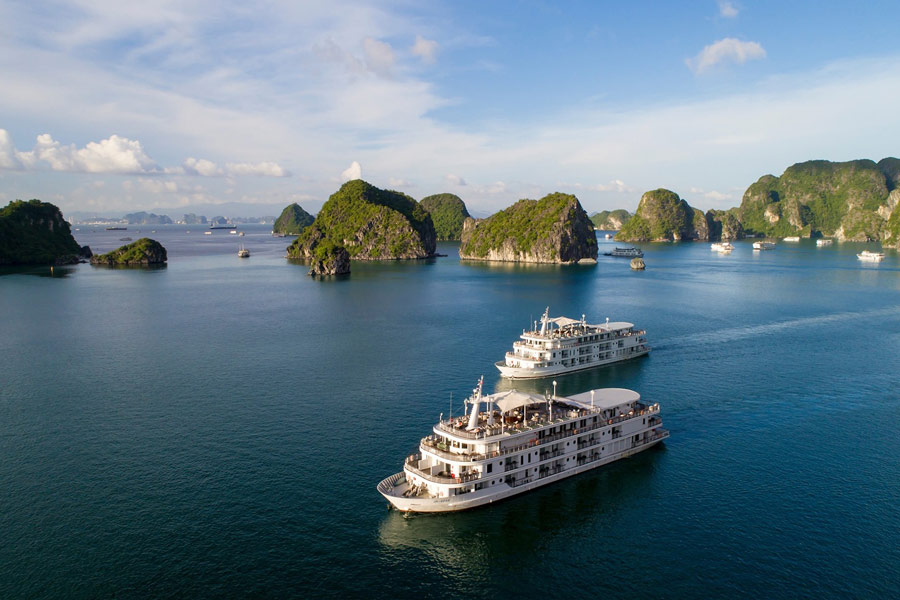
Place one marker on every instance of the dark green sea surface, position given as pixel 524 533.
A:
pixel 216 428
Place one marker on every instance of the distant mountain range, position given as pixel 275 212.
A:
pixel 239 212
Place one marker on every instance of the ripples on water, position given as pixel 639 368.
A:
pixel 217 428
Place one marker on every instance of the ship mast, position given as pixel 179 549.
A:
pixel 545 318
pixel 475 401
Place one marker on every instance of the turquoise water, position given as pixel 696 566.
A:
pixel 217 427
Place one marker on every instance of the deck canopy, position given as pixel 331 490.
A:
pixel 513 399
pixel 605 398
pixel 564 321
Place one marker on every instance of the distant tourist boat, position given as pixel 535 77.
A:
pixel 116 228
pixel 608 236
pixel 723 247
pixel 625 253
pixel 223 226
pixel 869 256
pixel 207 233
pixel 824 242
pixel 571 345
pixel 241 234
pixel 125 239
pixel 793 238
pixel 243 252
pixel 512 442
pixel 233 231
pixel 763 245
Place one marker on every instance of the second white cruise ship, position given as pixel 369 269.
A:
pixel 563 345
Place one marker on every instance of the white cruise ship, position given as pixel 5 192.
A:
pixel 564 345
pixel 723 247
pixel 869 256
pixel 519 442
pixel 625 253
pixel 763 245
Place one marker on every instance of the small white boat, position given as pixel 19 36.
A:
pixel 869 256
pixel 207 233
pixel 763 245
pixel 793 238
pixel 241 234
pixel 243 252
pixel 824 242
pixel 608 236
pixel 723 247
pixel 233 231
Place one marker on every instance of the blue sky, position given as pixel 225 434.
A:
pixel 111 106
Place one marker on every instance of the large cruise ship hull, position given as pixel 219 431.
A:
pixel 537 373
pixel 393 492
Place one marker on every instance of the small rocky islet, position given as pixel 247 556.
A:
pixel 141 253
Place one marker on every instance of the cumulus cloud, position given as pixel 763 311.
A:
pixel 714 195
pixel 354 171
pixel 425 49
pixel 454 180
pixel 727 9
pixel 728 50
pixel 115 154
pixel 379 56
pixel 200 166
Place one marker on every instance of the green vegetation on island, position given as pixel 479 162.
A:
pixel 372 224
pixel 662 216
pixel 611 220
pixel 193 219
pixel 293 220
pixel 35 233
pixel 850 200
pixel 554 229
pixel 142 252
pixel 448 212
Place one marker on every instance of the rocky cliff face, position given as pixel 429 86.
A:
pixel 724 225
pixel 329 259
pixel 662 216
pixel 35 233
pixel 849 200
pixel 143 252
pixel 372 224
pixel 554 229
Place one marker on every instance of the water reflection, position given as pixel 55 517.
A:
pixel 39 271
pixel 580 381
pixel 463 544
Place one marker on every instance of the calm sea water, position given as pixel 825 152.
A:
pixel 217 427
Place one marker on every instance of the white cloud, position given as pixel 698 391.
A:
pixel 9 158
pixel 379 56
pixel 713 195
pixel 728 50
pixel 201 166
pixel 115 154
pixel 262 169
pixel 727 9
pixel 425 49
pixel 354 171
pixel 454 180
